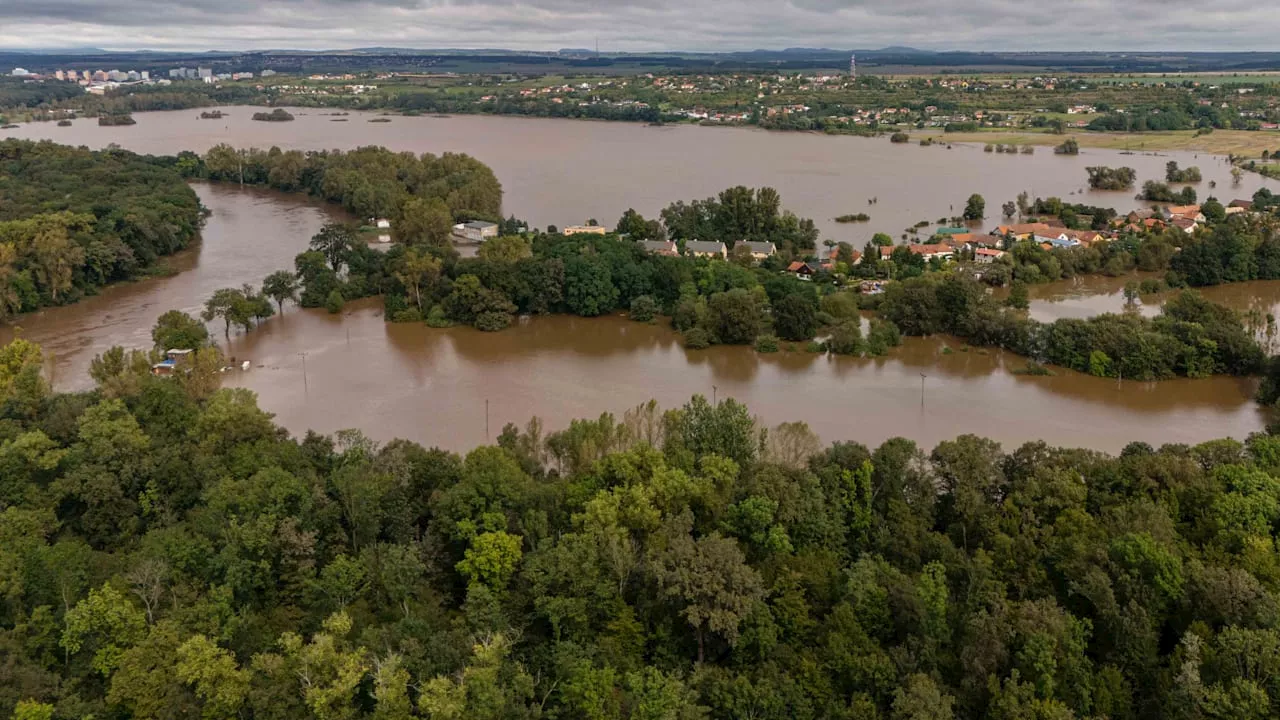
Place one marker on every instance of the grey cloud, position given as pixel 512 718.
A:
pixel 640 25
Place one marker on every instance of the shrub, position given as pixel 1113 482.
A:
pixel 884 335
pixel 767 344
pixel 846 338
pixel 407 316
pixel 899 137
pixel 334 302
pixel 438 319
pixel 492 321
pixel 697 339
pixel 644 308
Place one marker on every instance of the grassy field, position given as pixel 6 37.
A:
pixel 1221 142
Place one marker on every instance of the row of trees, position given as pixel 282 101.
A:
pixel 1191 337
pixel 73 220
pixel 167 551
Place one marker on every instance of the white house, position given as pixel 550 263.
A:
pixel 476 230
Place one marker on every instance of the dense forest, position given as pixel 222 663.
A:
pixel 72 220
pixel 167 551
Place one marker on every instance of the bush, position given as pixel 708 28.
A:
pixel 697 339
pixel 492 321
pixel 899 137
pixel 438 319
pixel 767 344
pixel 410 315
pixel 644 308
pixel 884 335
pixel 840 305
pixel 334 302
pixel 846 338
pixel 1034 368
pixel 813 346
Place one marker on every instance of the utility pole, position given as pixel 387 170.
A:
pixel 486 419
pixel 922 377
pixel 304 371
pixel 714 391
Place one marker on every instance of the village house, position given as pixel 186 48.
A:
pixel 706 248
pixel 1185 224
pixel 759 250
pixel 928 252
pixel 1190 212
pixel 986 256
pixel 476 230
pixel 805 270
pixel 660 247
pixel 1022 231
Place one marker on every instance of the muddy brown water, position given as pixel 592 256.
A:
pixel 432 385
pixel 563 172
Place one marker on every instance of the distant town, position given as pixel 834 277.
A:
pixel 99 82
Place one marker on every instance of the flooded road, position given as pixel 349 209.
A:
pixel 564 172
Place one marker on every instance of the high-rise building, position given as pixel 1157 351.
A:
pixel 204 72
pixel 146 74
pixel 853 66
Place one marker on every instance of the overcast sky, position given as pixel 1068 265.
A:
pixel 641 25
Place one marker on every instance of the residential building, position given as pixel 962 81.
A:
pixel 204 73
pixel 986 256
pixel 705 248
pixel 759 250
pixel 1185 224
pixel 1021 231
pixel 928 252
pixel 660 247
pixel 585 230
pixel 476 230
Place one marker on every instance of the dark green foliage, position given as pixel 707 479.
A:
pixel 369 182
pixel 164 556
pixel 1191 337
pixel 1108 178
pixel 72 220
pixel 795 316
pixel 643 309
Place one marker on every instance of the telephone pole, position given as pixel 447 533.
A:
pixel 304 371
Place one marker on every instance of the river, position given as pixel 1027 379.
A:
pixel 563 172
pixel 433 386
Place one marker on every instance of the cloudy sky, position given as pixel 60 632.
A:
pixel 641 25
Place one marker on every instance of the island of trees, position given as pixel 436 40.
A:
pixel 74 220
pixel 277 115
pixel 167 551
pixel 116 119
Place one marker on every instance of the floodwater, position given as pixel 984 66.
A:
pixel 1091 295
pixel 328 372
pixel 251 233
pixel 563 172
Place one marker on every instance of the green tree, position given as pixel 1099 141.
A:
pixel 105 622
pixel 795 317
pixel 423 221
pixel 178 330
pixel 335 242
pixel 709 577
pixel 975 208
pixel 281 285
pixel 418 272
pixel 588 286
